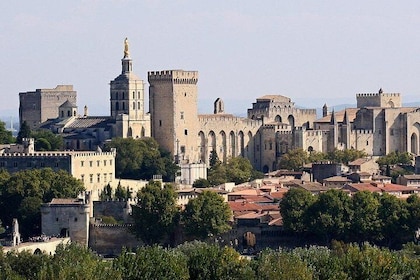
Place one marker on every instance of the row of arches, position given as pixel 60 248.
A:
pixel 277 118
pixel 227 145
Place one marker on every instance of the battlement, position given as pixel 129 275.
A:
pixel 362 131
pixel 309 133
pixel 276 126
pixel 59 154
pixel 282 132
pixel 369 95
pixel 173 76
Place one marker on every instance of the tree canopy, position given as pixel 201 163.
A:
pixel 6 136
pixel 141 159
pixel 206 215
pixel 198 260
pixel 395 158
pixel 294 207
pixel 22 193
pixel 45 140
pixel 366 217
pixel 238 170
pixel 295 159
pixel 156 212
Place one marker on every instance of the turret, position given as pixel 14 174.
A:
pixel 324 110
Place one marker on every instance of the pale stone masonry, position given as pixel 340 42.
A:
pixel 94 168
pixel 35 107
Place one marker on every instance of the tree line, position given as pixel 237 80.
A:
pixel 158 218
pixel 198 260
pixel 380 219
pixel 238 170
pixel 22 194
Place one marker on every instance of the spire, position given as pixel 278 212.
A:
pixel 126 61
pixel 333 117
pixel 345 118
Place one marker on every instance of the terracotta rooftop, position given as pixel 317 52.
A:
pixel 244 206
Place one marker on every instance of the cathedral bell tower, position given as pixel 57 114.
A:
pixel 127 101
pixel 127 90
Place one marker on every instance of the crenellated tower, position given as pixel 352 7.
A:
pixel 174 116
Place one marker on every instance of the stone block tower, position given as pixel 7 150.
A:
pixel 35 107
pixel 127 101
pixel 174 117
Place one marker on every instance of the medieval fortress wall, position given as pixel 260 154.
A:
pixel 273 124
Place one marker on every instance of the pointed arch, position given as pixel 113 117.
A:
pixel 414 143
pixel 232 144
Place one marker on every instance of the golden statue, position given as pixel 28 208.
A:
pixel 126 51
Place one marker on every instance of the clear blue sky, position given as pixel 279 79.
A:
pixel 312 51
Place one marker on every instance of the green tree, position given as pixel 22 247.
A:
pixel 281 266
pixel 141 159
pixel 106 193
pixel 45 140
pixel 345 156
pixel 24 132
pixel 294 159
pixel 75 261
pixel 214 159
pixel 206 215
pixel 366 224
pixel 330 215
pixel 26 265
pixel 237 170
pixel 293 208
pixel 315 156
pixel 120 192
pixel 394 216
pixel 23 193
pixel 201 183
pixel 156 213
pixel 6 136
pixel 395 158
pixel 210 262
pixel 1 228
pixel 413 206
pixel 152 263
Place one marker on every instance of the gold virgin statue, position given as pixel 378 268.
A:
pixel 126 51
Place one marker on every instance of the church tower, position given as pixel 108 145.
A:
pixel 174 115
pixel 127 101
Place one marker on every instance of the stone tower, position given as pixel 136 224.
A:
pixel 127 90
pixel 174 117
pixel 35 107
pixel 127 101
